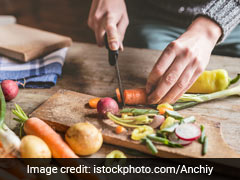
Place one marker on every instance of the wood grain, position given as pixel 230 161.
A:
pixel 66 108
pixel 24 43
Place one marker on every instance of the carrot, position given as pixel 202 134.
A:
pixel 163 107
pixel 133 96
pixel 93 102
pixel 119 129
pixel 37 127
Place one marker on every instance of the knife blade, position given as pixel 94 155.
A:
pixel 113 61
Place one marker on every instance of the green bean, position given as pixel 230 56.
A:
pixel 205 144
pixel 190 119
pixel 201 139
pixel 136 111
pixel 174 114
pixel 164 141
pixel 150 145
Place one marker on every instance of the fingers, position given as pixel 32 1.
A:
pixel 122 26
pixel 112 33
pixel 195 76
pixel 181 85
pixel 170 78
pixel 160 67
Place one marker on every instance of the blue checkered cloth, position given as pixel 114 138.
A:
pixel 38 73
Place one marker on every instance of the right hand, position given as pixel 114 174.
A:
pixel 109 16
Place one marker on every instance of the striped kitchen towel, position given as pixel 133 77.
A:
pixel 39 73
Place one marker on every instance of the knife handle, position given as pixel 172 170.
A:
pixel 112 55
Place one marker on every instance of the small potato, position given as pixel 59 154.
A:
pixel 34 147
pixel 84 138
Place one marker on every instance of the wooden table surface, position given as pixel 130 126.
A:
pixel 86 70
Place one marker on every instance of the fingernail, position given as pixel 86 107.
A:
pixel 114 46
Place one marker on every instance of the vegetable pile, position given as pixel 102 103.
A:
pixel 161 126
pixel 153 127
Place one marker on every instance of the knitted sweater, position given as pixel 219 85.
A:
pixel 226 13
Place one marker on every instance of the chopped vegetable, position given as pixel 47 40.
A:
pixel 34 147
pixel 205 144
pixel 173 114
pixel 201 139
pixel 137 112
pixel 10 89
pixel 130 121
pixel 141 132
pixel 164 141
pixel 116 154
pixel 157 121
pixel 167 123
pixel 120 129
pixel 133 96
pixel 93 102
pixel 106 105
pixel 9 140
pixel 212 81
pixel 170 129
pixel 190 119
pixel 163 107
pixel 150 145
pixel 37 127
pixel 189 100
pixel 172 137
pixel 188 132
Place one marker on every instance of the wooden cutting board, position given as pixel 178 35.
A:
pixel 66 108
pixel 24 43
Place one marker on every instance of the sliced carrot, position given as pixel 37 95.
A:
pixel 0 144
pixel 133 96
pixel 163 107
pixel 59 149
pixel 93 102
pixel 119 129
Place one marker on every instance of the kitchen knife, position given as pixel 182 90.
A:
pixel 113 61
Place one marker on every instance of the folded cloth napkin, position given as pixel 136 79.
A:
pixel 38 73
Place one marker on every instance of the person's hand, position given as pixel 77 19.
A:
pixel 109 16
pixel 182 62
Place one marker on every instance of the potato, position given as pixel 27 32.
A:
pixel 84 138
pixel 34 147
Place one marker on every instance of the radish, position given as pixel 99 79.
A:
pixel 106 105
pixel 10 89
pixel 172 137
pixel 188 132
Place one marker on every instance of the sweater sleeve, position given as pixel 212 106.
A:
pixel 226 13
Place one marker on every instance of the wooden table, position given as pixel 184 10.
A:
pixel 86 70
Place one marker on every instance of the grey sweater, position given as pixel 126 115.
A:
pixel 226 13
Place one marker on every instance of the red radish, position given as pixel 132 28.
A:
pixel 188 132
pixel 174 138
pixel 157 121
pixel 10 89
pixel 107 104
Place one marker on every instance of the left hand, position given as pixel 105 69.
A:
pixel 182 62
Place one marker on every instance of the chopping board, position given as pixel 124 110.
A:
pixel 66 108
pixel 24 43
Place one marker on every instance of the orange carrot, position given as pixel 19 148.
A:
pixel 59 149
pixel 37 127
pixel 119 129
pixel 133 96
pixel 93 102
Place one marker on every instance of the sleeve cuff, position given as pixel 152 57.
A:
pixel 226 13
